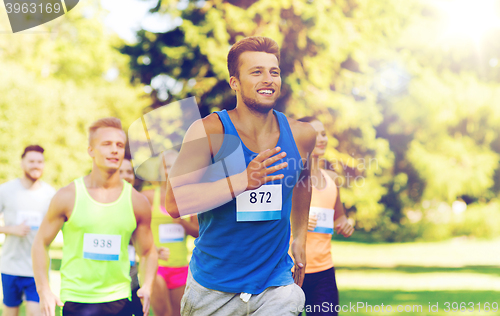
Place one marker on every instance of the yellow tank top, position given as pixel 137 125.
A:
pixel 95 265
pixel 318 247
pixel 168 234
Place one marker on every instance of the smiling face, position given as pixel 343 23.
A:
pixel 321 138
pixel 107 148
pixel 259 82
pixel 127 172
pixel 33 164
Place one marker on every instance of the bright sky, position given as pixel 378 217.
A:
pixel 128 16
pixel 472 19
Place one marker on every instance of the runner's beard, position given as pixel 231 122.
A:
pixel 30 177
pixel 257 106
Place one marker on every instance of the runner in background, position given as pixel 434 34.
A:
pixel 170 239
pixel 127 174
pixel 326 213
pixel 23 202
pixel 98 215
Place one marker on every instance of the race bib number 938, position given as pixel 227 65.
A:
pixel 102 247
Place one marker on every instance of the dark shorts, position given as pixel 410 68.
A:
pixel 15 286
pixel 115 308
pixel 321 293
pixel 136 305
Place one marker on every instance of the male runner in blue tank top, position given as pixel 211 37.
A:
pixel 240 265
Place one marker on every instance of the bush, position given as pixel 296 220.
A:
pixel 438 221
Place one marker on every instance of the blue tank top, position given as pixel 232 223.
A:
pixel 247 257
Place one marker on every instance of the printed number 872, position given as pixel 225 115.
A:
pixel 253 197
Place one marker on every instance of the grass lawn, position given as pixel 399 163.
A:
pixel 415 276
pixel 418 275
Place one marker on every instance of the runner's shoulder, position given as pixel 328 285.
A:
pixel 332 174
pixel 64 198
pixel 212 124
pixel 10 184
pixel 149 194
pixel 48 187
pixel 303 133
pixel 139 201
pixel 207 125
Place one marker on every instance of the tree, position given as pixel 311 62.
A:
pixel 327 48
pixel 54 85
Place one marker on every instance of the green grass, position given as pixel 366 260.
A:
pixel 420 274
pixel 417 302
pixel 22 311
pixel 405 275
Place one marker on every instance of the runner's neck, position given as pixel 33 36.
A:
pixel 29 184
pixel 252 123
pixel 102 179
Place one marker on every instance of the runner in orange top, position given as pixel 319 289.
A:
pixel 326 213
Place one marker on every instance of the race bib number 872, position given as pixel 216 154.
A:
pixel 262 204
pixel 101 247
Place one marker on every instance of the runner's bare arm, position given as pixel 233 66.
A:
pixel 17 230
pixel 305 138
pixel 342 226
pixel 149 194
pixel 338 207
pixel 60 209
pixel 142 239
pixel 189 167
pixel 186 195
pixel 190 224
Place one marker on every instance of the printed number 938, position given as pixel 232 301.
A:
pixel 102 243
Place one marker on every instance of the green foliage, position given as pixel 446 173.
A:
pixel 458 113
pixel 443 127
pixel 479 220
pixel 438 221
pixel 408 112
pixel 411 115
pixel 326 46
pixel 53 87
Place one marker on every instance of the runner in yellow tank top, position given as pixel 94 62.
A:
pixel 326 213
pixel 170 240
pixel 98 215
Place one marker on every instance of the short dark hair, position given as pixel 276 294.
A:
pixel 250 44
pixel 308 119
pixel 32 148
